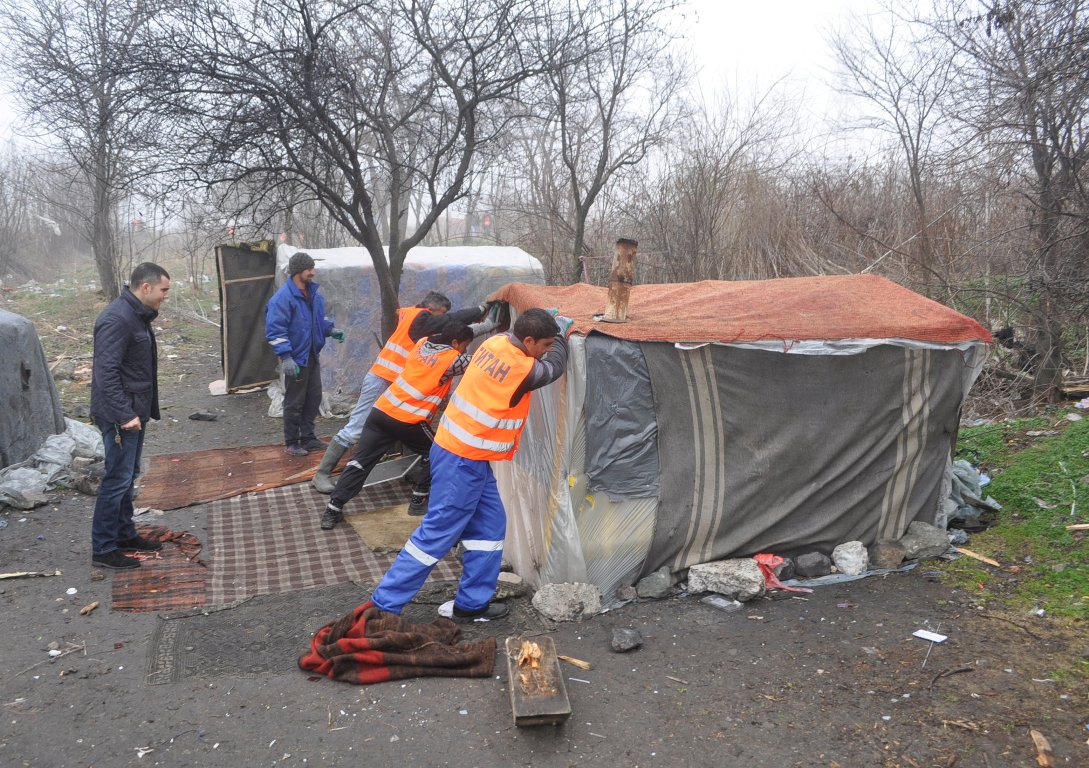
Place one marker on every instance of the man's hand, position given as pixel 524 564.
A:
pixel 289 367
pixel 337 334
pixel 133 423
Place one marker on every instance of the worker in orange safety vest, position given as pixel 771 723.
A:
pixel 403 414
pixel 482 423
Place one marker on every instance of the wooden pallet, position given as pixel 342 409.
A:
pixel 537 692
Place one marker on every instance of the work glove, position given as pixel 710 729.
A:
pixel 337 334
pixel 289 368
pixel 495 310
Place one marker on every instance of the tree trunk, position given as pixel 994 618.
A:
pixel 103 240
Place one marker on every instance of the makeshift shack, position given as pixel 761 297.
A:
pixel 30 409
pixel 250 274
pixel 730 418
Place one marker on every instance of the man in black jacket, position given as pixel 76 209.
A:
pixel 124 396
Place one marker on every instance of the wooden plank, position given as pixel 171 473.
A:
pixel 970 553
pixel 538 695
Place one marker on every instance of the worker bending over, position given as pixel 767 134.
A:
pixel 403 414
pixel 413 324
pixel 483 423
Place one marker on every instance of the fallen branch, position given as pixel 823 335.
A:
pixel 1078 527
pixel 1027 631
pixel 27 574
pixel 575 662
pixel 949 672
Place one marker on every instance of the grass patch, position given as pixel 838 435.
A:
pixel 1040 475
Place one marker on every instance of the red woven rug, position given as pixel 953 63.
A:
pixel 172 579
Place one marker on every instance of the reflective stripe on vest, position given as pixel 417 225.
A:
pixel 416 394
pixel 391 358
pixel 480 422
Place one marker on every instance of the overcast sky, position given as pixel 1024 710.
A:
pixel 744 44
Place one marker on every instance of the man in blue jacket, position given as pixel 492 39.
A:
pixel 124 396
pixel 296 327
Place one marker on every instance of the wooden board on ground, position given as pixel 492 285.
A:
pixel 537 692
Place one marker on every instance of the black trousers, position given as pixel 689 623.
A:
pixel 381 431
pixel 302 400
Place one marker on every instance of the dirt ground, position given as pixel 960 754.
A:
pixel 833 678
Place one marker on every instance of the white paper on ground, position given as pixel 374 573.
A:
pixel 933 637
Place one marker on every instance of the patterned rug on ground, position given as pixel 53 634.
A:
pixel 197 477
pixel 271 542
pixel 172 579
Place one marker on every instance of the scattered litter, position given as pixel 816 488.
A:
pixel 71 591
pixel 1078 527
pixel 141 751
pixel 55 652
pixel 1083 403
pixel 1043 504
pixel 576 662
pixel 721 602
pixel 3 522
pixel 1073 417
pixel 1042 433
pixel 840 578
pixel 217 387
pixel 926 634
pixel 1044 755
pixel 578 680
pixel 88 608
pixel 139 511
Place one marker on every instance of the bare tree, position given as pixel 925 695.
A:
pixel 69 62
pixel 906 79
pixel 1023 86
pixel 366 108
pixel 615 101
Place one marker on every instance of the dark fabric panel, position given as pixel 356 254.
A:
pixel 621 428
pixel 247 280
pixel 30 409
pixel 764 451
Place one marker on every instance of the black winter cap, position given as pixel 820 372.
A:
pixel 299 262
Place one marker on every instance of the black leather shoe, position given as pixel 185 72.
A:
pixel 313 444
pixel 115 560
pixel 487 613
pixel 140 544
pixel 330 518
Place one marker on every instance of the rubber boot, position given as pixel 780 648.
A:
pixel 323 481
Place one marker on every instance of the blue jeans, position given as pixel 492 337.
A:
pixel 112 522
pixel 465 506
pixel 372 389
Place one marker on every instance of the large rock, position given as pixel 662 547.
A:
pixel 887 553
pixel 924 540
pixel 567 602
pixel 851 558
pixel 657 584
pixel 812 564
pixel 785 570
pixel 740 579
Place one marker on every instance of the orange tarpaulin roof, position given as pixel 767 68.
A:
pixel 786 309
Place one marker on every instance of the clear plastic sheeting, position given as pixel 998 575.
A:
pixel 557 531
